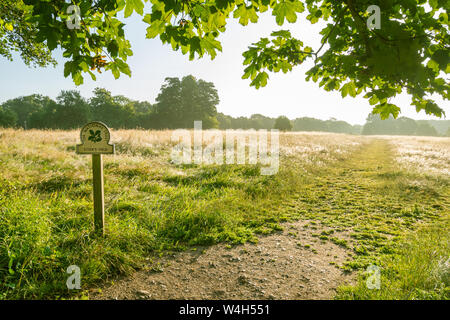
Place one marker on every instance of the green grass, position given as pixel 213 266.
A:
pixel 361 201
pixel 45 229
pixel 419 269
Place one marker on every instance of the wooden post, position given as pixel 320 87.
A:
pixel 99 201
pixel 95 141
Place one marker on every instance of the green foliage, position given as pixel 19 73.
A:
pixel 332 125
pixel 441 126
pixel 258 121
pixel 18 33
pixel 283 123
pixel 181 102
pixel 255 121
pixel 265 55
pixel 100 35
pixel 72 111
pixel 116 111
pixel 400 126
pixel 8 118
pixel 409 53
pixel 24 107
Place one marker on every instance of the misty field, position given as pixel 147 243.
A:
pixel 384 199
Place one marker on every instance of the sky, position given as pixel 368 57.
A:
pixel 285 94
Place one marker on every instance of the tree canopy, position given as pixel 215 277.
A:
pixel 181 102
pixel 18 33
pixel 283 123
pixel 408 53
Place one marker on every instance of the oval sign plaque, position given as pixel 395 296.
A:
pixel 95 138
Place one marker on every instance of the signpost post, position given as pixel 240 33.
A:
pixel 95 138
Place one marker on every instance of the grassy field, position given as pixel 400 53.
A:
pixel 386 197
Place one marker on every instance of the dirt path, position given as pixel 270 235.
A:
pixel 275 268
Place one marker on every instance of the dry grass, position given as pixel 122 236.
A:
pixel 430 155
pixel 317 148
pixel 154 146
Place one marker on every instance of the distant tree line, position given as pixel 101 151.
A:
pixel 405 126
pixel 258 121
pixel 179 103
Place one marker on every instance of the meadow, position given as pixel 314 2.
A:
pixel 385 199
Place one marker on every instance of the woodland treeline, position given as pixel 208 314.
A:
pixel 179 103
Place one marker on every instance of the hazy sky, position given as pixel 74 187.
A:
pixel 286 94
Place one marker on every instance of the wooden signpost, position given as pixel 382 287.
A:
pixel 95 138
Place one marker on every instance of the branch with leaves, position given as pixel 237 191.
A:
pixel 410 53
